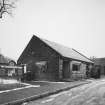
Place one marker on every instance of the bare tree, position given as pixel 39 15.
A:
pixel 6 6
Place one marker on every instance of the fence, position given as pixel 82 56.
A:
pixel 15 72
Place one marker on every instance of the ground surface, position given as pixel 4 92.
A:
pixel 4 87
pixel 88 94
pixel 8 81
pixel 34 90
pixel 8 84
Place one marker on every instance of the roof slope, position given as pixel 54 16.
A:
pixel 67 52
pixel 62 50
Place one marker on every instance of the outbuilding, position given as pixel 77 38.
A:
pixel 99 67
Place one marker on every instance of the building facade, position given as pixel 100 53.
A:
pixel 99 67
pixel 4 61
pixel 46 60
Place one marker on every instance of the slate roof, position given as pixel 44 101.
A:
pixel 67 52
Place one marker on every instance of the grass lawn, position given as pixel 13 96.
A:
pixel 4 87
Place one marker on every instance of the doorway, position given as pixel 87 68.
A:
pixel 41 70
pixel 66 69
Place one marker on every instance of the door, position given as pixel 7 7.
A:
pixel 66 69
pixel 41 72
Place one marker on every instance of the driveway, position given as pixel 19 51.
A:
pixel 88 94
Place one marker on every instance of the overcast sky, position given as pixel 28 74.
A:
pixel 79 24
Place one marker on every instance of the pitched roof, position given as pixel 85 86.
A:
pixel 62 50
pixel 67 52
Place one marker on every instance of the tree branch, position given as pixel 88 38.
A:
pixel 6 6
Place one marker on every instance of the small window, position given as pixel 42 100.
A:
pixel 75 67
pixel 42 65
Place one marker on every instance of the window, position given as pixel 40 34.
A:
pixel 42 65
pixel 75 67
